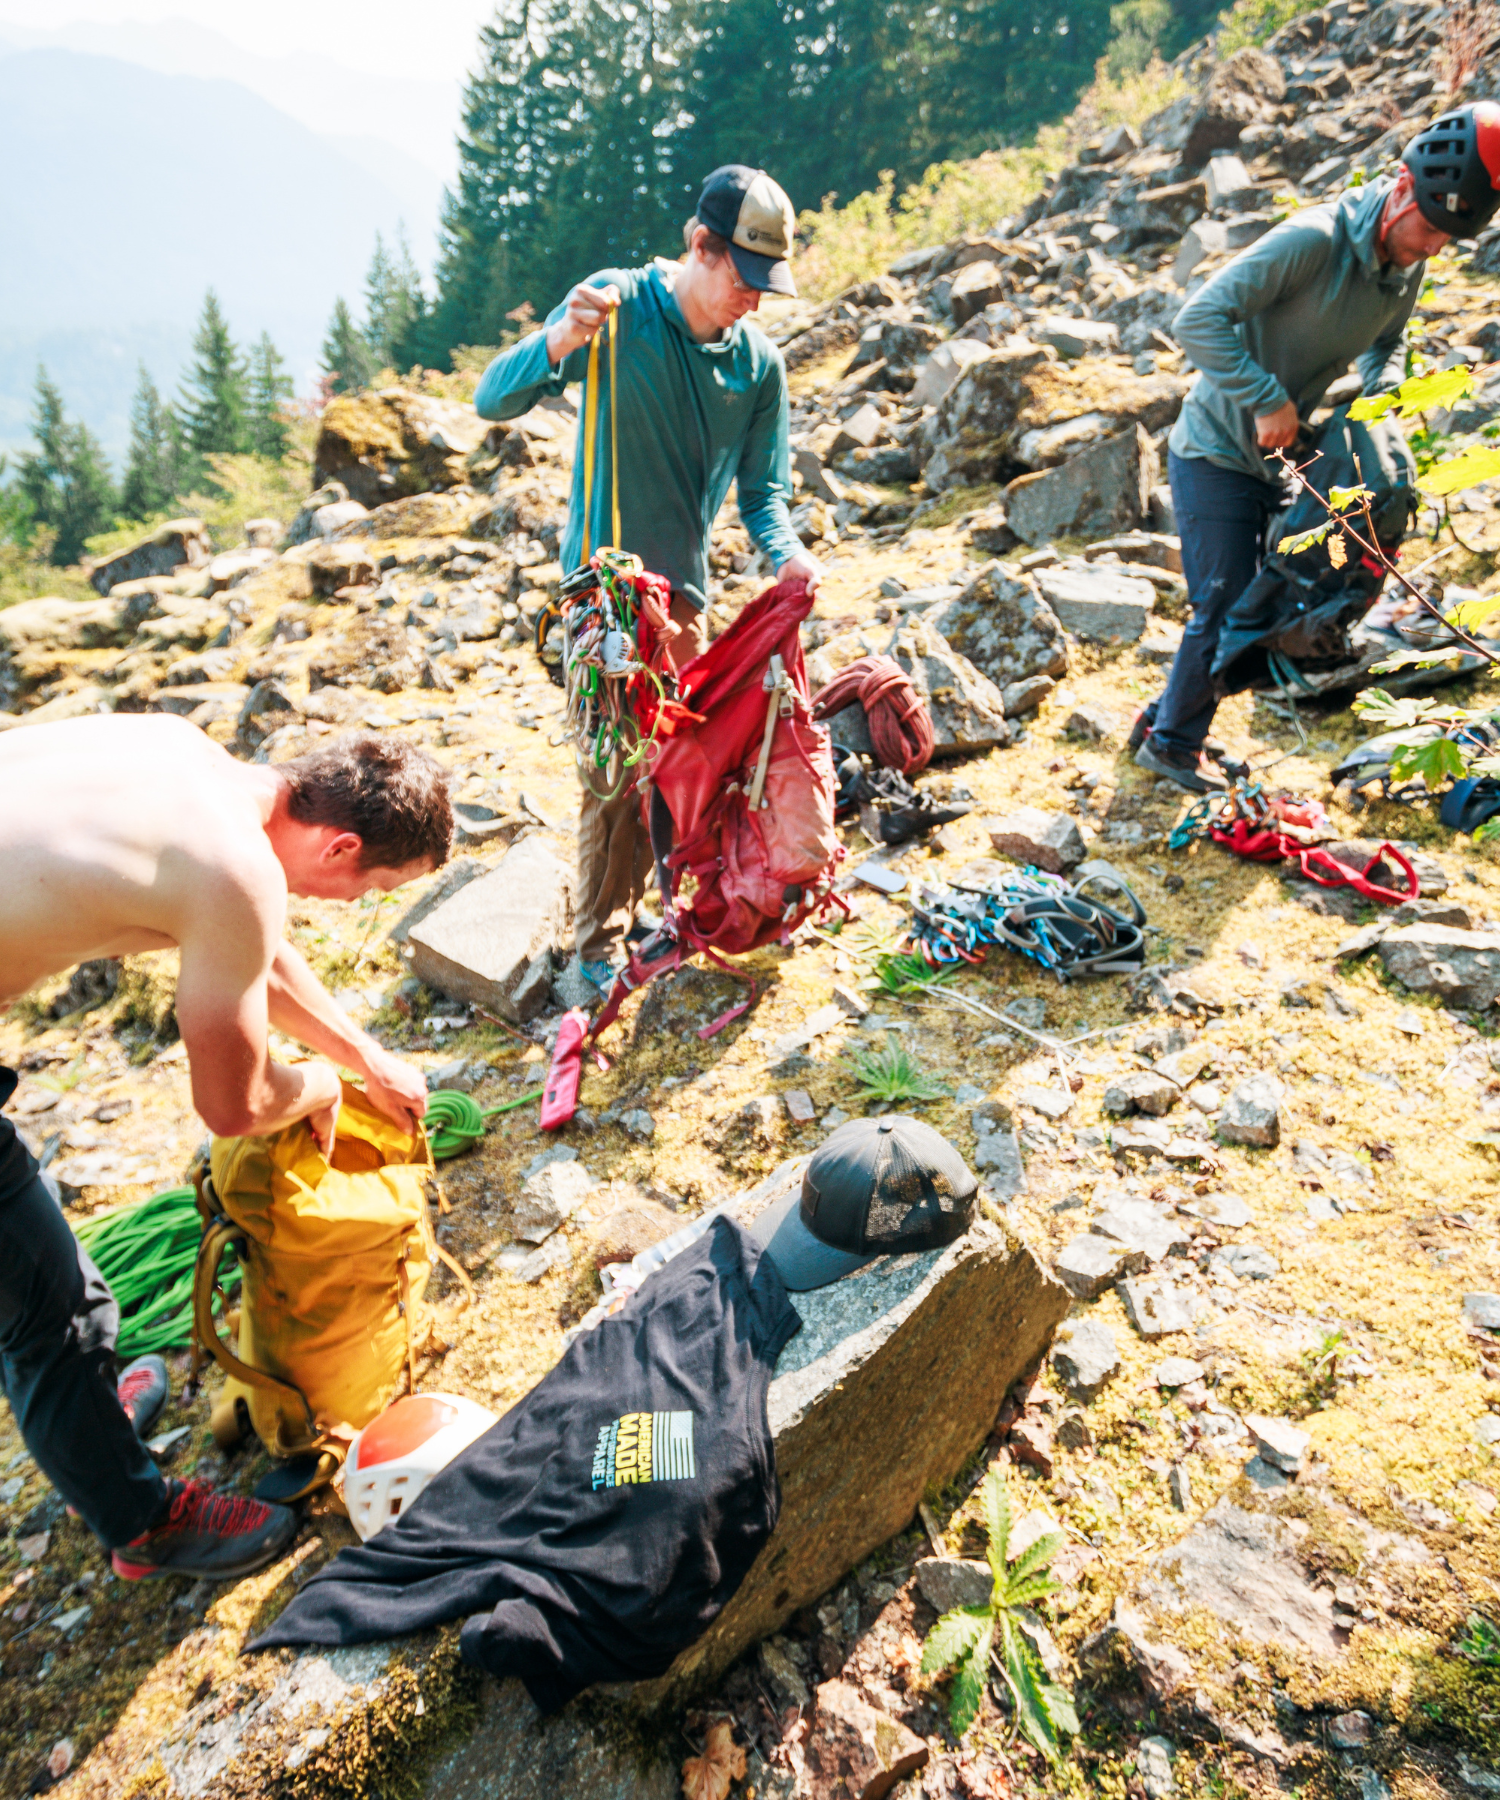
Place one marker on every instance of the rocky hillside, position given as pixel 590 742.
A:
pixel 1262 1171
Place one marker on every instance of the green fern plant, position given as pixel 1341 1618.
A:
pixel 900 974
pixel 891 1074
pixel 969 1637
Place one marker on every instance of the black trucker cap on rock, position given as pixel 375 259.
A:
pixel 744 206
pixel 876 1187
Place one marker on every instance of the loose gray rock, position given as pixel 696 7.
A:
pixel 1482 1311
pixel 1097 603
pixel 1085 1357
pixel 1252 1113
pixel 1023 697
pixel 1090 1264
pixel 1180 1488
pixel 1226 1210
pixel 1104 489
pixel 1155 1308
pixel 1153 1763
pixel 1463 967
pixel 1246 1262
pixel 1279 1441
pixel 1096 724
pixel 947 1582
pixel 1141 1091
pixel 1073 338
pixel 1243 1567
pixel 1177 1371
pixel 999 1153
pixel 1050 841
pixel 548 1197
pixel 943 368
pixel 1003 625
pixel 638 1123
pixel 1050 1102
pixel 484 944
pixel 1351 1731
pixel 1139 1226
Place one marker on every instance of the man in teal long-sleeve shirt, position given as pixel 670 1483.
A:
pixel 702 402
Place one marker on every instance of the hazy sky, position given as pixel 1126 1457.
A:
pixel 433 39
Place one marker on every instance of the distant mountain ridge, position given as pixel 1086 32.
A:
pixel 141 190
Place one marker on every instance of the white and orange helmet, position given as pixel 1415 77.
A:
pixel 397 1454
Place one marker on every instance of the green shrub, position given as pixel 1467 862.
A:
pixel 1253 21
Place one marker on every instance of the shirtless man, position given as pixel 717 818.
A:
pixel 127 834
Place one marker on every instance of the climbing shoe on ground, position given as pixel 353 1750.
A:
pixel 218 1537
pixel 143 1388
pixel 1180 766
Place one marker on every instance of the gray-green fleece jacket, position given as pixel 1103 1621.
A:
pixel 1285 319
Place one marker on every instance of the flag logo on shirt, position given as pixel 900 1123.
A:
pixel 643 1446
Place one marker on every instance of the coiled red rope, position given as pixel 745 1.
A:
pixel 900 725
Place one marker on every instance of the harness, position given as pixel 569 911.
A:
pixel 1270 828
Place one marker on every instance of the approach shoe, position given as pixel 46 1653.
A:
pixel 583 983
pixel 212 1536
pixel 1180 766
pixel 142 1389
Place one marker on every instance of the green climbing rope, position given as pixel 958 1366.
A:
pixel 146 1253
pixel 454 1121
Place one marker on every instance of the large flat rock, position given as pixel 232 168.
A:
pixel 893 1382
pixel 491 942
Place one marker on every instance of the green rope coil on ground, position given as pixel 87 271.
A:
pixel 454 1121
pixel 146 1253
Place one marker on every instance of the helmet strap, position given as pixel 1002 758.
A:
pixel 1400 201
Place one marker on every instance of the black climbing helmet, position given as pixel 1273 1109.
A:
pixel 1455 165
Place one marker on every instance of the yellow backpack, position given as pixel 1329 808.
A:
pixel 335 1257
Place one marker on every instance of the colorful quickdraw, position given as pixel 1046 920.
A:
pixel 1046 918
pixel 616 623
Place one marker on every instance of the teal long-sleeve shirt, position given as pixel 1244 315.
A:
pixel 1285 319
pixel 692 418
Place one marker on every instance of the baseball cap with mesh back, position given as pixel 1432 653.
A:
pixel 744 206
pixel 1455 165
pixel 877 1187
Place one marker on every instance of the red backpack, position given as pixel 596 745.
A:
pixel 739 796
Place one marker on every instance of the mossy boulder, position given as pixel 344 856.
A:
pixel 393 443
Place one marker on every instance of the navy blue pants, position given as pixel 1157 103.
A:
pixel 58 1324
pixel 1221 519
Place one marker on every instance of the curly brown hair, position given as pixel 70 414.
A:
pixel 391 794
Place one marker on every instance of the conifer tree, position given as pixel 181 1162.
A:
pixel 267 426
pixel 152 461
pixel 212 404
pixel 395 305
pixel 65 481
pixel 346 352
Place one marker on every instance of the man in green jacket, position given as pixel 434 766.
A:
pixel 1270 332
pixel 702 402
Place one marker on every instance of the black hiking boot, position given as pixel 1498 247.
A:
pixel 1179 766
pixel 218 1537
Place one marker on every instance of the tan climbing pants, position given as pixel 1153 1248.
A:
pixel 614 847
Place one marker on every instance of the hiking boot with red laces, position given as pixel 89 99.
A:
pixel 1180 766
pixel 206 1534
pixel 142 1389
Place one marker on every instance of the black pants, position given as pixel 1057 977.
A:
pixel 58 1324
pixel 1221 519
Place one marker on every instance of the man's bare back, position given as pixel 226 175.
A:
pixel 118 835
pixel 139 833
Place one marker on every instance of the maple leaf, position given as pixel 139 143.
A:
pixel 707 1777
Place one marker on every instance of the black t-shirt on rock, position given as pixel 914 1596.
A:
pixel 602 1524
